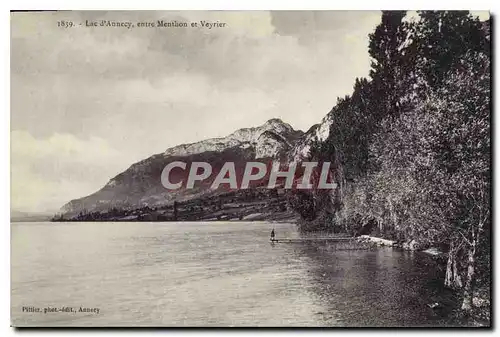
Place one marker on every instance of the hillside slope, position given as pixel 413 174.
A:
pixel 140 185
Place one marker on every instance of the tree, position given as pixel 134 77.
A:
pixel 442 37
pixel 386 49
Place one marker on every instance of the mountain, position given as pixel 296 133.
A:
pixel 272 139
pixel 140 185
pixel 319 132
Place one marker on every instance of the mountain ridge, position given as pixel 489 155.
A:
pixel 140 186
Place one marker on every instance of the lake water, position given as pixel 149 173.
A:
pixel 212 274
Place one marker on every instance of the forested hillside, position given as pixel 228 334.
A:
pixel 411 145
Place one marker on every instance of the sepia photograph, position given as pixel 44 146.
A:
pixel 216 168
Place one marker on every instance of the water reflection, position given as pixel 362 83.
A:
pixel 379 287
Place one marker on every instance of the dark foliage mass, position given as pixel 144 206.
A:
pixel 411 145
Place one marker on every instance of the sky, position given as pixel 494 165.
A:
pixel 87 102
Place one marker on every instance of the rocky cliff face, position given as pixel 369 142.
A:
pixel 268 140
pixel 318 131
pixel 140 185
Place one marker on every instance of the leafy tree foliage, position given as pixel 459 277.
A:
pixel 411 145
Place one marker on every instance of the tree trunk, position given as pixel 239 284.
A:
pixel 452 278
pixel 467 303
pixel 469 282
pixel 457 279
pixel 381 226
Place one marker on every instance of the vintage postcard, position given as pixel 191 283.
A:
pixel 250 169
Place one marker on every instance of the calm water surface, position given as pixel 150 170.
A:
pixel 212 274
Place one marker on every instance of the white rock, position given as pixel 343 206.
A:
pixel 243 138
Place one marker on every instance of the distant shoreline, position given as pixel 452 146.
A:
pixel 187 221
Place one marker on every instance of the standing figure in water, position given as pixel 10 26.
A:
pixel 272 235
